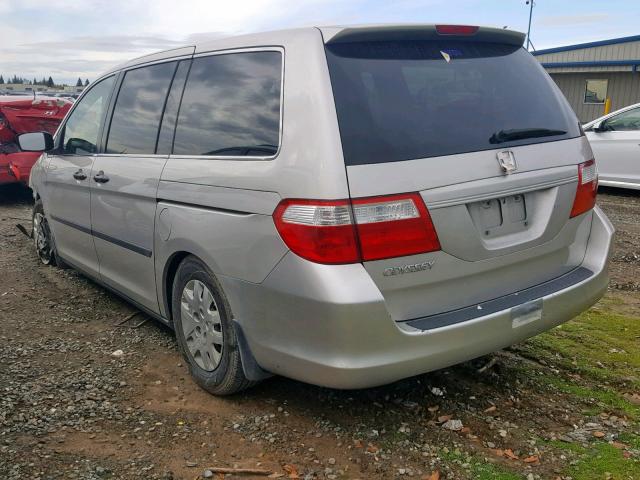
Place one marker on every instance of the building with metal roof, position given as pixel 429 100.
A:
pixel 596 76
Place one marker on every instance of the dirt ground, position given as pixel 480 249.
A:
pixel 564 405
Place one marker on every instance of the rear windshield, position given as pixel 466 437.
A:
pixel 407 100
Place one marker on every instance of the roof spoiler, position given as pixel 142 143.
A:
pixel 395 33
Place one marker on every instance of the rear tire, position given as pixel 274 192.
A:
pixel 206 338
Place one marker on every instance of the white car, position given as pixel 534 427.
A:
pixel 615 140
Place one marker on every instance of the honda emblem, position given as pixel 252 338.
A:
pixel 507 161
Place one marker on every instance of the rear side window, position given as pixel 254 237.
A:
pixel 138 109
pixel 231 106
pixel 408 100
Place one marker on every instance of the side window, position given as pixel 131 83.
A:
pixel 168 126
pixel 138 109
pixel 81 130
pixel 629 120
pixel 231 106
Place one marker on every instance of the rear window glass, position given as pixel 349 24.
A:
pixel 231 106
pixel 408 100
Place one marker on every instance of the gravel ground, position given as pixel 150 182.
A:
pixel 81 397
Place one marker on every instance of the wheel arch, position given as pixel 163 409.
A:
pixel 168 275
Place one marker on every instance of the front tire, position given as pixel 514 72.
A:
pixel 43 237
pixel 206 338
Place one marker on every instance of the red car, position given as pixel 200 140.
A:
pixel 18 115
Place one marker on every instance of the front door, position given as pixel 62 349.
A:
pixel 124 184
pixel 67 201
pixel 617 148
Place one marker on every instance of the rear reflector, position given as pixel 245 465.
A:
pixel 364 229
pixel 587 188
pixel 457 29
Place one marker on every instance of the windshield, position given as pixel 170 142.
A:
pixel 407 100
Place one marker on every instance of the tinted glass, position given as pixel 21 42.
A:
pixel 81 130
pixel 231 106
pixel 595 91
pixel 136 116
pixel 629 120
pixel 165 137
pixel 407 100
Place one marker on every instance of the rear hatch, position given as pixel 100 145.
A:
pixel 470 121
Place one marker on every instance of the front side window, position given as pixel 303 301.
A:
pixel 80 135
pixel 138 109
pixel 626 121
pixel 595 91
pixel 231 106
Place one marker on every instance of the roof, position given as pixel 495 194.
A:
pixel 330 34
pixel 578 46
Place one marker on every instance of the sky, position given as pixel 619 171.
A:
pixel 68 39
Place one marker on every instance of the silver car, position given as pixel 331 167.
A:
pixel 346 206
pixel 615 140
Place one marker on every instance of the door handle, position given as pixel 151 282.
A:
pixel 80 175
pixel 100 177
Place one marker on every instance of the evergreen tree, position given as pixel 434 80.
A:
pixel 86 82
pixel 79 82
pixel 1 80
pixel 43 81
pixel 50 82
pixel 35 82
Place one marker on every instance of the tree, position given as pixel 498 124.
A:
pixel 50 82
pixel 86 82
pixel 79 82
pixel 1 80
pixel 35 82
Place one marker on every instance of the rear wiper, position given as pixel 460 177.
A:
pixel 502 136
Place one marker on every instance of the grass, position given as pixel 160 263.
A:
pixel 599 344
pixel 478 469
pixel 610 399
pixel 601 347
pixel 605 459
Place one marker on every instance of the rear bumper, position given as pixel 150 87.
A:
pixel 16 167
pixel 328 325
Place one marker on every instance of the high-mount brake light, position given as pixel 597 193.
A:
pixel 363 229
pixel 457 29
pixel 587 189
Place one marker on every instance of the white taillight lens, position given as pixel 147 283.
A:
pixel 318 215
pixel 588 172
pixel 385 211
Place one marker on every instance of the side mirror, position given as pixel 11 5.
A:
pixel 35 142
pixel 600 127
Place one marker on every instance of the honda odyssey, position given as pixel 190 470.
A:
pixel 346 206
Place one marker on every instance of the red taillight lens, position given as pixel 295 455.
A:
pixel 456 29
pixel 318 230
pixel 587 188
pixel 364 229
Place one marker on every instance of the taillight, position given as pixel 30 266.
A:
pixel 587 188
pixel 318 230
pixel 457 29
pixel 363 229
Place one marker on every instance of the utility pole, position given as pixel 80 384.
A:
pixel 530 3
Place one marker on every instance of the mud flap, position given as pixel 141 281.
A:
pixel 252 370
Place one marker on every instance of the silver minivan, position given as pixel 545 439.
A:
pixel 346 206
